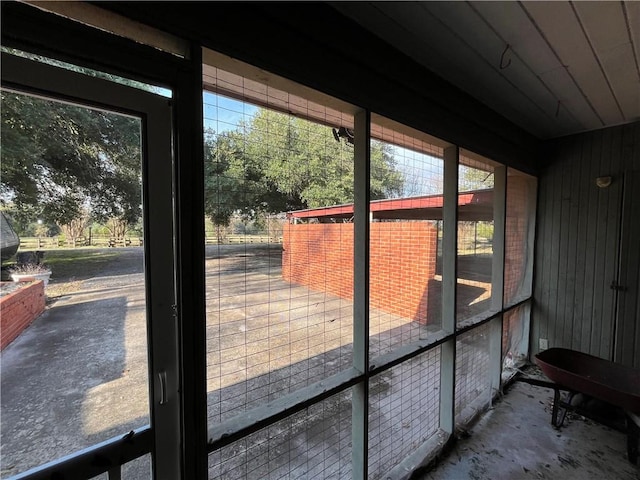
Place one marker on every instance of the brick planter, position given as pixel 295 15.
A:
pixel 18 309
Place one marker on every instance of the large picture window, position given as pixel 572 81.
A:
pixel 287 319
pixel 366 286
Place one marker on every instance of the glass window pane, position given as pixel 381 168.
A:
pixel 279 254
pixel 89 72
pixel 407 173
pixel 475 236
pixel 473 392
pixel 404 411
pixel 71 187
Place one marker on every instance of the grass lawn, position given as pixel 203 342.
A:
pixel 70 267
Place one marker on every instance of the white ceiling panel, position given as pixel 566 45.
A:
pixel 572 66
pixel 624 80
pixel 511 21
pixel 558 23
pixel 632 10
pixel 486 40
pixel 513 24
pixel 595 14
pixel 614 52
pixel 572 102
pixel 471 71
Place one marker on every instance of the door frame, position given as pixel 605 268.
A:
pixel 35 78
pixel 627 289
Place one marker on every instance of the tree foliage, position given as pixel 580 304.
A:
pixel 471 178
pixel 277 162
pixel 60 160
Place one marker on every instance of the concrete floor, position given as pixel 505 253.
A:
pixel 515 440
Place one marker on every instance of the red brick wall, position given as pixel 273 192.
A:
pixel 402 261
pixel 19 309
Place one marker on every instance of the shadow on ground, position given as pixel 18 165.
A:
pixel 78 375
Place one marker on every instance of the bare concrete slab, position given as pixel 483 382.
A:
pixel 78 374
pixel 515 440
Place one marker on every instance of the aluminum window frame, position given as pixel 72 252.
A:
pixel 155 112
pixel 357 377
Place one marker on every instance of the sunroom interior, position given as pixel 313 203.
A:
pixel 443 189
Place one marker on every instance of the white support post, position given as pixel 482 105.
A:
pixel 531 234
pixel 497 276
pixel 499 222
pixel 449 274
pixel 360 403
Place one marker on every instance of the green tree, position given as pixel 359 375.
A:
pixel 277 162
pixel 59 160
pixel 471 178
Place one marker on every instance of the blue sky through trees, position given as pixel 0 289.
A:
pixel 423 173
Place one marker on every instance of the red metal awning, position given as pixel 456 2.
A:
pixel 474 205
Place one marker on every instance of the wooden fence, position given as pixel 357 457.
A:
pixel 45 243
pixel 228 239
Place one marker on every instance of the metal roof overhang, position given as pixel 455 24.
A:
pixel 472 206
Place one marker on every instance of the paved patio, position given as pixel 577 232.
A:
pixel 78 375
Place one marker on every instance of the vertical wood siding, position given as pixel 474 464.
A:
pixel 578 245
pixel 628 332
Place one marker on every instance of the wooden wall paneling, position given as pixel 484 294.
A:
pixel 631 147
pixel 606 253
pixel 581 234
pixel 634 161
pixel 628 332
pixel 599 258
pixel 572 206
pixel 553 238
pixel 559 260
pixel 564 197
pixel 539 269
pixel 551 265
pixel 589 244
pixel 636 344
pixel 551 260
pixel 542 267
pixel 627 328
pixel 611 164
pixel 578 245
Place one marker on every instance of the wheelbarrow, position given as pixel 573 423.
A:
pixel 576 372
